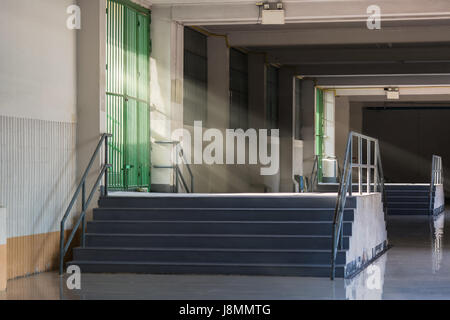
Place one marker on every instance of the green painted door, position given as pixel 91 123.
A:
pixel 319 128
pixel 127 94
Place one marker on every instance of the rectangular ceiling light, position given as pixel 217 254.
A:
pixel 392 93
pixel 273 17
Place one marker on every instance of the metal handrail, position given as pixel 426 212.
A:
pixel 436 177
pixel 63 248
pixel 314 172
pixel 179 177
pixel 346 185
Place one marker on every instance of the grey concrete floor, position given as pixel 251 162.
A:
pixel 417 267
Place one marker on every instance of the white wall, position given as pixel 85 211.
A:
pixel 38 114
pixel 37 60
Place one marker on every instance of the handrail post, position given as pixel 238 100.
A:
pixel 61 249
pixel 375 174
pixel 359 165
pixel 350 193
pixel 105 190
pixel 369 169
pixel 176 170
pixel 83 212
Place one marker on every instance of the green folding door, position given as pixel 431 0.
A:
pixel 127 94
pixel 319 128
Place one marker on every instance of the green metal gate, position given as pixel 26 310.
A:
pixel 319 128
pixel 127 94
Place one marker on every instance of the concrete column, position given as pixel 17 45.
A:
pixel 256 110
pixel 356 117
pixel 329 141
pixel 285 116
pixel 91 75
pixel 256 90
pixel 218 83
pixel 307 130
pixel 342 127
pixel 3 250
pixel 218 108
pixel 166 92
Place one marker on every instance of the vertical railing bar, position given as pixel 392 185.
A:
pixel 369 169
pixel 83 210
pixel 359 163
pixel 176 170
pixel 375 171
pixel 351 166
pixel 105 190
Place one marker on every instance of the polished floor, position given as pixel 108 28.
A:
pixel 417 267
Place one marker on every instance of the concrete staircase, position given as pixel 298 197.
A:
pixel 287 235
pixel 408 199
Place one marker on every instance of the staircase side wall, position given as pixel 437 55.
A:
pixel 369 236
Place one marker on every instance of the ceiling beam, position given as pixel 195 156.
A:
pixel 385 81
pixel 213 12
pixel 305 55
pixel 439 68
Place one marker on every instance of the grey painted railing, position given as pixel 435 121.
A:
pixel 179 159
pixel 64 247
pixel 345 185
pixel 436 178
pixel 314 175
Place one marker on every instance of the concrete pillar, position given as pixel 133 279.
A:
pixel 91 75
pixel 356 117
pixel 329 141
pixel 285 116
pixel 342 127
pixel 256 90
pixel 308 134
pixel 3 250
pixel 218 83
pixel 166 92
pixel 218 109
pixel 256 110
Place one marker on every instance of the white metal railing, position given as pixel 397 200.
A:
pixel 436 177
pixel 373 167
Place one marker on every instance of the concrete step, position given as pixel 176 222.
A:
pixel 212 255
pixel 408 193
pixel 296 270
pixel 214 214
pixel 211 241
pixel 407 205
pixel 409 187
pixel 408 198
pixel 216 227
pixel 225 201
pixel 407 211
